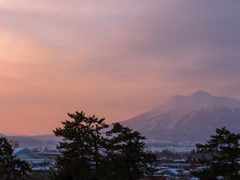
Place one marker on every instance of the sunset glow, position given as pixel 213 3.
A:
pixel 114 59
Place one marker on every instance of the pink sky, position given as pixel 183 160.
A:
pixel 114 59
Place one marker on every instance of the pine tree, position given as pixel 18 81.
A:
pixel 126 154
pixel 90 155
pixel 11 168
pixel 225 151
pixel 82 148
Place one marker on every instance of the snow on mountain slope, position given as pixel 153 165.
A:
pixel 181 116
pixel 197 101
pixel 180 106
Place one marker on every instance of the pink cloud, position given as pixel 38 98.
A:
pixel 115 59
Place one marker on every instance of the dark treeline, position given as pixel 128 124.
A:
pixel 89 153
pixel 93 151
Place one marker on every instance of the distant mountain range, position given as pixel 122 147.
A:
pixel 182 120
pixel 40 142
pixel 186 120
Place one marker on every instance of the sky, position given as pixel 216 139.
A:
pixel 115 59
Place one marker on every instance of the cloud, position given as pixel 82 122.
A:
pixel 109 57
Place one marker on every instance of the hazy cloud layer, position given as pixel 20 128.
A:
pixel 115 59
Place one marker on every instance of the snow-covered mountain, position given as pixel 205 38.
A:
pixel 188 119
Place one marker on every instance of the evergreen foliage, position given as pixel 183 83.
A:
pixel 82 148
pixel 126 154
pixel 10 167
pixel 225 151
pixel 90 155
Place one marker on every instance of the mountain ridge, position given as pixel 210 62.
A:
pixel 183 118
pixel 48 141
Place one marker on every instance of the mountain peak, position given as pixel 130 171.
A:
pixel 201 93
pixel 180 106
pixel 193 116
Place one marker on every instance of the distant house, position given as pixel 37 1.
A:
pixel 31 157
pixel 24 153
pixel 172 172
pixel 38 163
pixel 181 161
pixel 50 154
pixel 194 166
pixel 161 161
pixel 176 165
pixel 156 177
